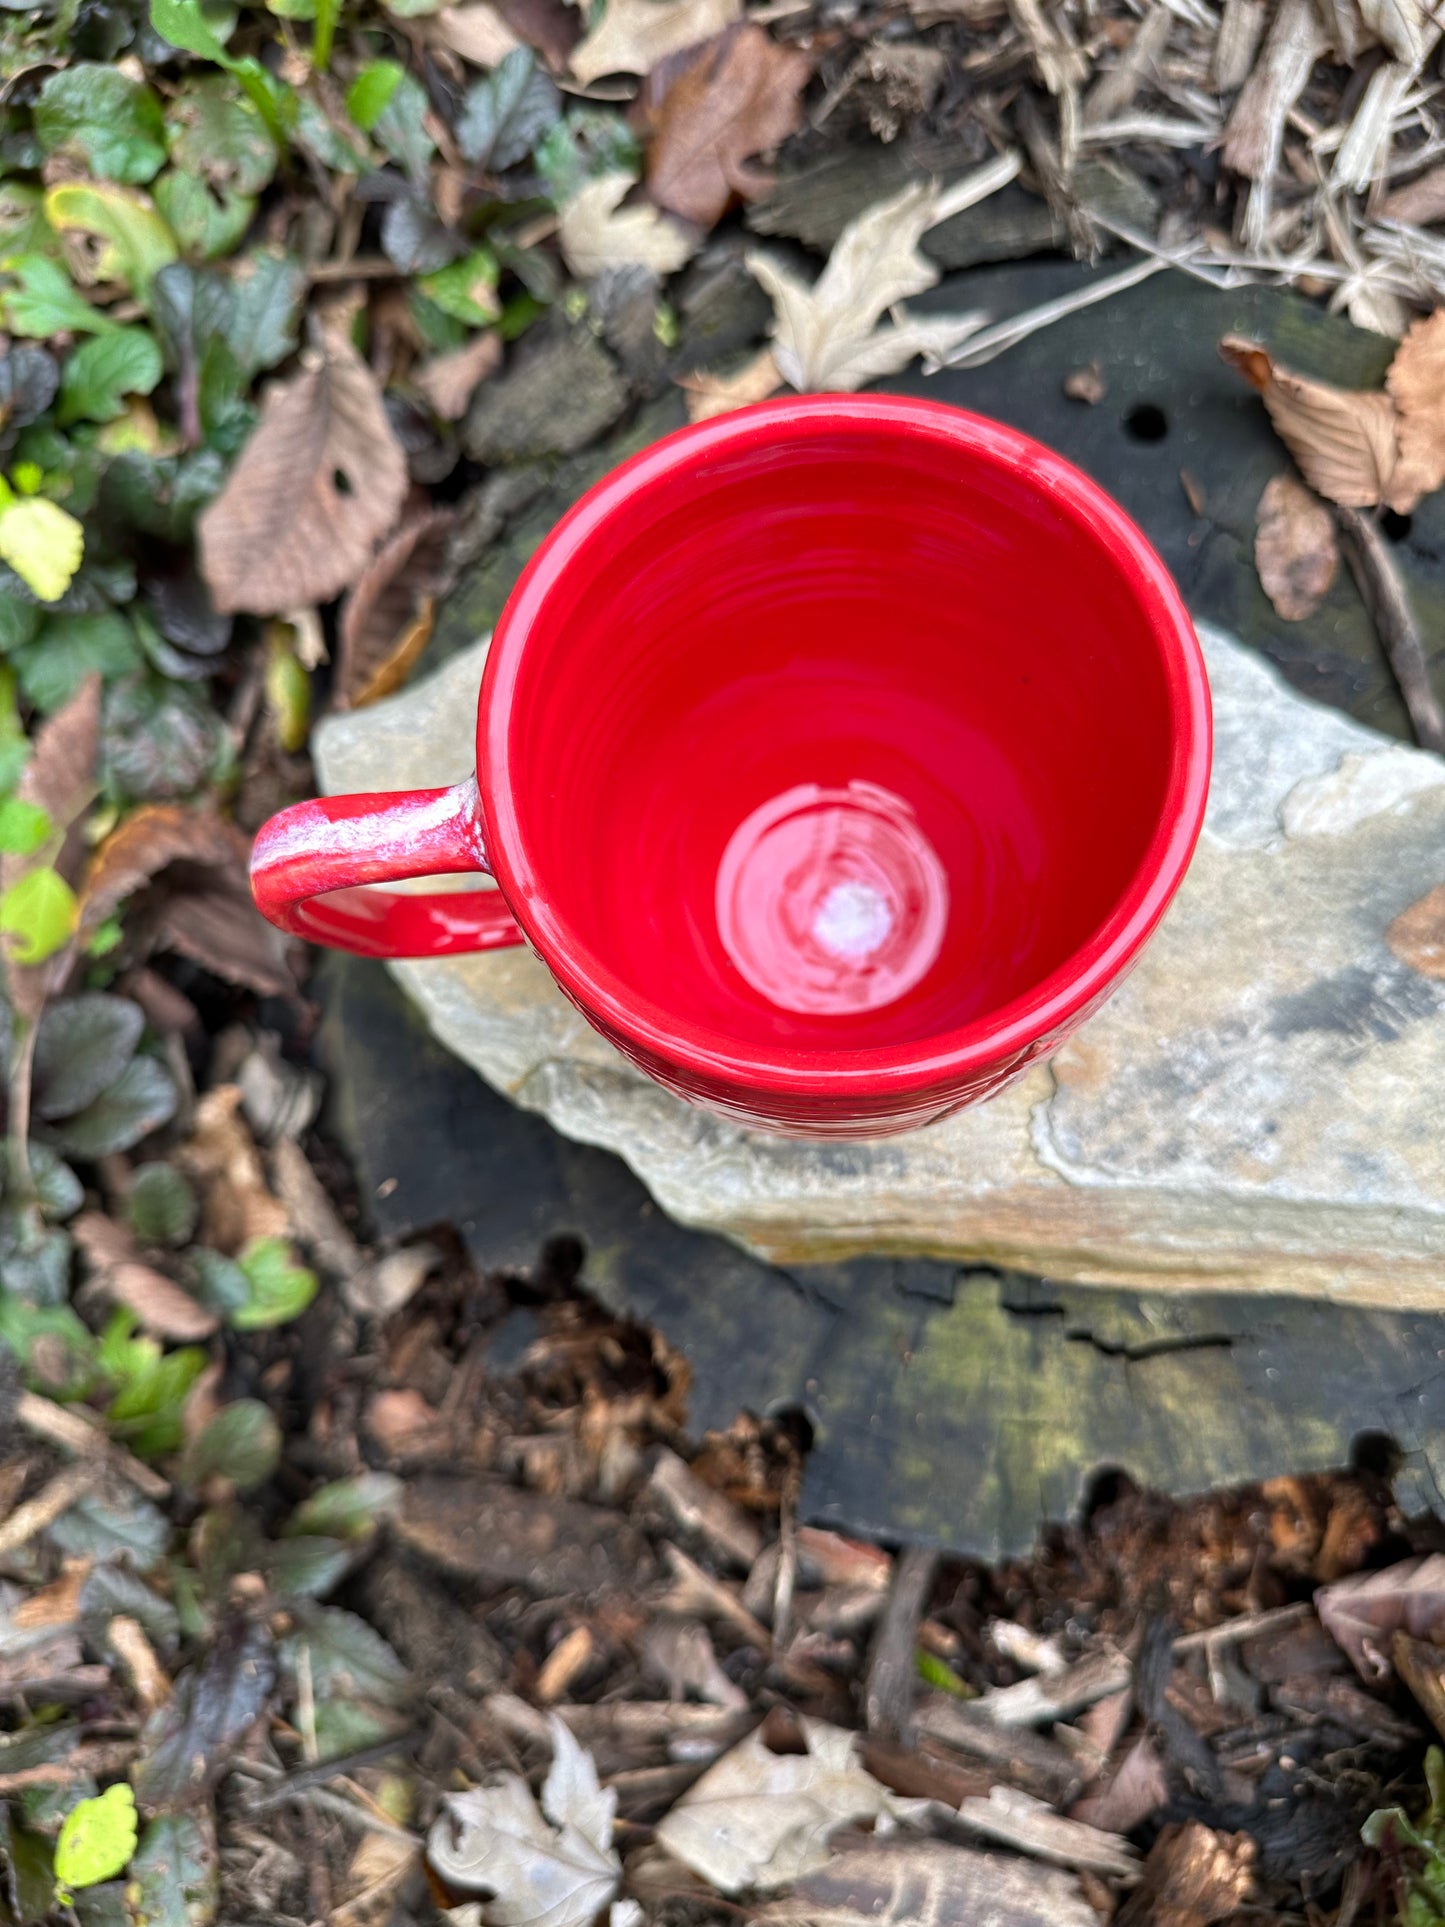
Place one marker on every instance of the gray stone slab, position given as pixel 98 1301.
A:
pixel 1259 1106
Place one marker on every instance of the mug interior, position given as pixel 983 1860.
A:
pixel 841 738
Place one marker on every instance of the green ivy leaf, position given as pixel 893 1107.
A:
pixel 82 1044
pixel 206 221
pixel 23 827
pixel 175 1877
pixel 183 23
pixel 467 290
pixel 160 1206
pixel 140 1100
pixel 151 1385
pixel 242 1443
pixel 349 1509
pixel 137 242
pixel 401 130
pixel 44 303
pixel 101 372
pixel 23 226
pixel 280 1289
pixel 372 89
pixel 101 117
pixel 97 1839
pixel 42 542
pixel 70 648
pixel 29 379
pixel 507 112
pixel 585 144
pixel 218 134
pixel 160 741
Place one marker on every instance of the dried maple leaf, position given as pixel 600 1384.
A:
pixel 709 395
pixel 1295 547
pixel 554 1864
pixel 160 1304
pixel 827 336
pixel 320 481
pixel 379 616
pixel 1343 439
pixel 187 871
pixel 1417 936
pixel 449 381
pixel 634 35
pixel 1416 383
pixel 596 234
pixel 736 97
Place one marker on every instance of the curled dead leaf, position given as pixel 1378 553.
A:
pixel 222 1155
pixel 1417 936
pixel 1416 383
pixel 635 35
pixel 1343 439
pixel 386 619
pixel 1295 547
pixel 448 382
pixel 597 234
pixel 709 395
pixel 161 1305
pixel 735 96
pixel 320 481
pixel 188 871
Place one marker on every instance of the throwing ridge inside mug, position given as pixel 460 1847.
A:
pixel 837 756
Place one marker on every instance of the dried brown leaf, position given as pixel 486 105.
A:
pixel 1086 384
pixel 161 1305
pixel 477 32
pixel 222 1155
pixel 1416 383
pixel 1417 936
pixel 192 866
pixel 319 483
pixel 1343 439
pixel 899 1882
pixel 61 779
pixel 448 382
pixel 1295 548
pixel 709 395
pixel 737 96
pixel 1363 1613
pixel 634 35
pixel 379 618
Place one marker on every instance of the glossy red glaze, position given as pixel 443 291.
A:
pixel 838 756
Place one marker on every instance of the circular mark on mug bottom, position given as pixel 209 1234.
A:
pixel 832 901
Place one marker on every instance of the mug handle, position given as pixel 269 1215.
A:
pixel 307 862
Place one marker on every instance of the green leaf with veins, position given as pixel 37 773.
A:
pixel 206 221
pixel 104 119
pixel 217 134
pixel 135 241
pixel 42 302
pixel 101 372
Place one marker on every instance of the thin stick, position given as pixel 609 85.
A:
pixel 1373 568
pixel 990 342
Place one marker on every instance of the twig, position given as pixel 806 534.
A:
pixel 990 342
pixel 307 1777
pixel 64 1426
pixel 977 186
pixel 888 1695
pixel 1373 568
pixel 72 1482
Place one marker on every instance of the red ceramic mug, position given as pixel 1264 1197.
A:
pixel 837 757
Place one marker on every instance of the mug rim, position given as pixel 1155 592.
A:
pixel 1012 1030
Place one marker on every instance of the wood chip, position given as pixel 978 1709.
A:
pixel 135 1652
pixel 72 1482
pixel 698 1508
pixel 1255 129
pixel 1057 1695
pixel 568 1660
pixel 1193 1877
pixel 1031 1826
